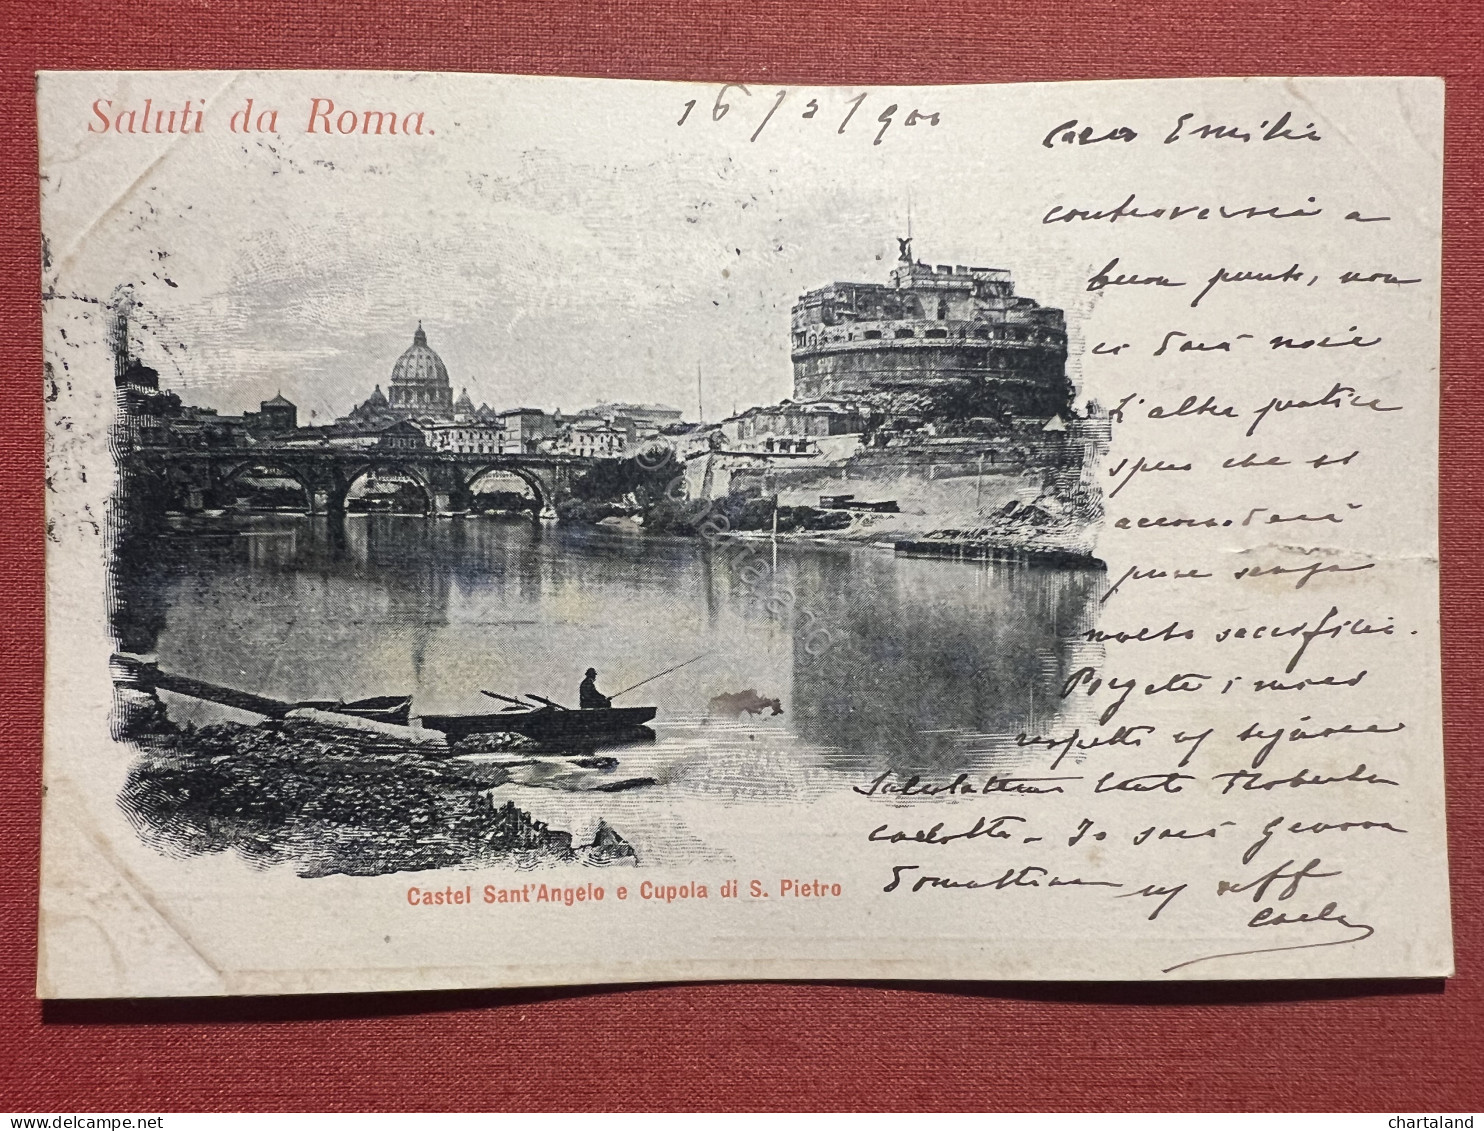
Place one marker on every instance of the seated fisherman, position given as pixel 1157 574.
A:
pixel 588 696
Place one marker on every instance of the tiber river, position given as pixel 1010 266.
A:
pixel 880 661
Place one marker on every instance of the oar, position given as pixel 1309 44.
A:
pixel 548 702
pixel 502 698
pixel 657 675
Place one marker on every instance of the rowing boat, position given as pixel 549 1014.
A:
pixel 545 724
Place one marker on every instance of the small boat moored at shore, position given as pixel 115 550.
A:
pixel 146 674
pixel 378 708
pixel 984 551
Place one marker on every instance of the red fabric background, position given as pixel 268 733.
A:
pixel 1358 1045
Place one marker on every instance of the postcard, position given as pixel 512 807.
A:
pixel 523 531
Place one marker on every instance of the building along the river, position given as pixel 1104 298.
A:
pixel 940 392
pixel 949 341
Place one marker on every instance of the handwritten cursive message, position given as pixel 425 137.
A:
pixel 1239 772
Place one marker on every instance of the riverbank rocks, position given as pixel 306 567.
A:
pixel 497 743
pixel 328 802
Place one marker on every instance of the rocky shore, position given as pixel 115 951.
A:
pixel 327 802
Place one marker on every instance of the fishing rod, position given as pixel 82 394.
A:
pixel 657 675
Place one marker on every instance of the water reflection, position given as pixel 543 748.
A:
pixel 879 661
pixel 922 663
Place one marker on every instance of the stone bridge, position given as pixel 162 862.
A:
pixel 198 479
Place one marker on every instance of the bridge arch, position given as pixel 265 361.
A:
pixel 407 471
pixel 545 496
pixel 230 476
pixel 503 476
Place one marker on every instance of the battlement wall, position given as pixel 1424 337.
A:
pixel 953 328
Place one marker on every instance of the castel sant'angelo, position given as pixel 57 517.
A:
pixel 956 341
pixel 937 404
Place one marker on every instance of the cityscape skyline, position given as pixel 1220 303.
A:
pixel 547 277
